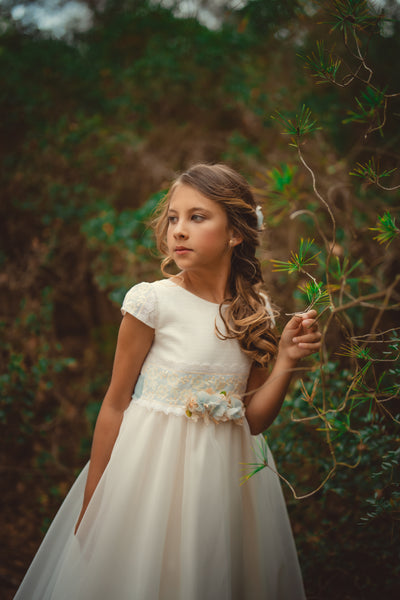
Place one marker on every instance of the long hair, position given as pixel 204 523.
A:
pixel 244 313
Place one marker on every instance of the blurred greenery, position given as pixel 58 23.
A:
pixel 94 129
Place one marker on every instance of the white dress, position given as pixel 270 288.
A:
pixel 169 519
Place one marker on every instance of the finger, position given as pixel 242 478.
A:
pixel 310 347
pixel 308 337
pixel 309 314
pixel 310 324
pixel 294 323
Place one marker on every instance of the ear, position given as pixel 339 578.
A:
pixel 235 239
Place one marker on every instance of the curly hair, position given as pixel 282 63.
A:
pixel 244 313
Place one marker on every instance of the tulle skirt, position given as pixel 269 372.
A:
pixel 169 520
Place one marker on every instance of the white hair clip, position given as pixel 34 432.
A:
pixel 260 218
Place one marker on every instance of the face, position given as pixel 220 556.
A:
pixel 198 235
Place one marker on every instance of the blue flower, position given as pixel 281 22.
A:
pixel 215 406
pixel 236 410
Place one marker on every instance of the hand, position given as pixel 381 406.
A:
pixel 300 337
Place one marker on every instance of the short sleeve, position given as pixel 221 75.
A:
pixel 141 302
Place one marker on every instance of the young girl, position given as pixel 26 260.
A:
pixel 159 513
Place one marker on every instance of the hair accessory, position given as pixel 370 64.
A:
pixel 260 218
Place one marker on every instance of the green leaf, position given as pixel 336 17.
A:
pixel 261 455
pixel 316 294
pixel 323 66
pixel 370 171
pixel 298 260
pixel 386 228
pixel 299 125
pixel 352 15
pixel 368 107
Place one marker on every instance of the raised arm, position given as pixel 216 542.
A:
pixel 134 342
pixel 299 339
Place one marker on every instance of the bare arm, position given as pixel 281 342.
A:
pixel 299 339
pixel 134 341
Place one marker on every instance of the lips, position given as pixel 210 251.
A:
pixel 182 250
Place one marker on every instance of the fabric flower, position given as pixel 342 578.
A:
pixel 236 410
pixel 215 406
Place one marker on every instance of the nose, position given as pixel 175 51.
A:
pixel 180 232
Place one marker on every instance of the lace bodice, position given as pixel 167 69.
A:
pixel 186 357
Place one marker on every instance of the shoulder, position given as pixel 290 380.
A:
pixel 141 292
pixel 141 302
pixel 145 299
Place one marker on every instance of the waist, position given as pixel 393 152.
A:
pixel 212 396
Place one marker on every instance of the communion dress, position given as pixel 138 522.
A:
pixel 169 519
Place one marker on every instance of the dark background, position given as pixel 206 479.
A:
pixel 94 125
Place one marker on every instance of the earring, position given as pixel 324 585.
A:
pixel 231 242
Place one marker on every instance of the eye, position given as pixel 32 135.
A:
pixel 198 218
pixel 172 220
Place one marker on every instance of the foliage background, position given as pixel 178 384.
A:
pixel 93 129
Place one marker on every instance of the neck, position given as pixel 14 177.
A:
pixel 209 286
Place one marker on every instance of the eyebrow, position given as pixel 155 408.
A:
pixel 192 210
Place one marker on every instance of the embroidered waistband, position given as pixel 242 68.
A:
pixel 210 397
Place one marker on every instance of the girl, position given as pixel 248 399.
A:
pixel 158 514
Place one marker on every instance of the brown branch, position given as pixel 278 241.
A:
pixel 383 308
pixel 357 301
pixel 387 189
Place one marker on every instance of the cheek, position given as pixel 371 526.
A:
pixel 169 239
pixel 214 236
